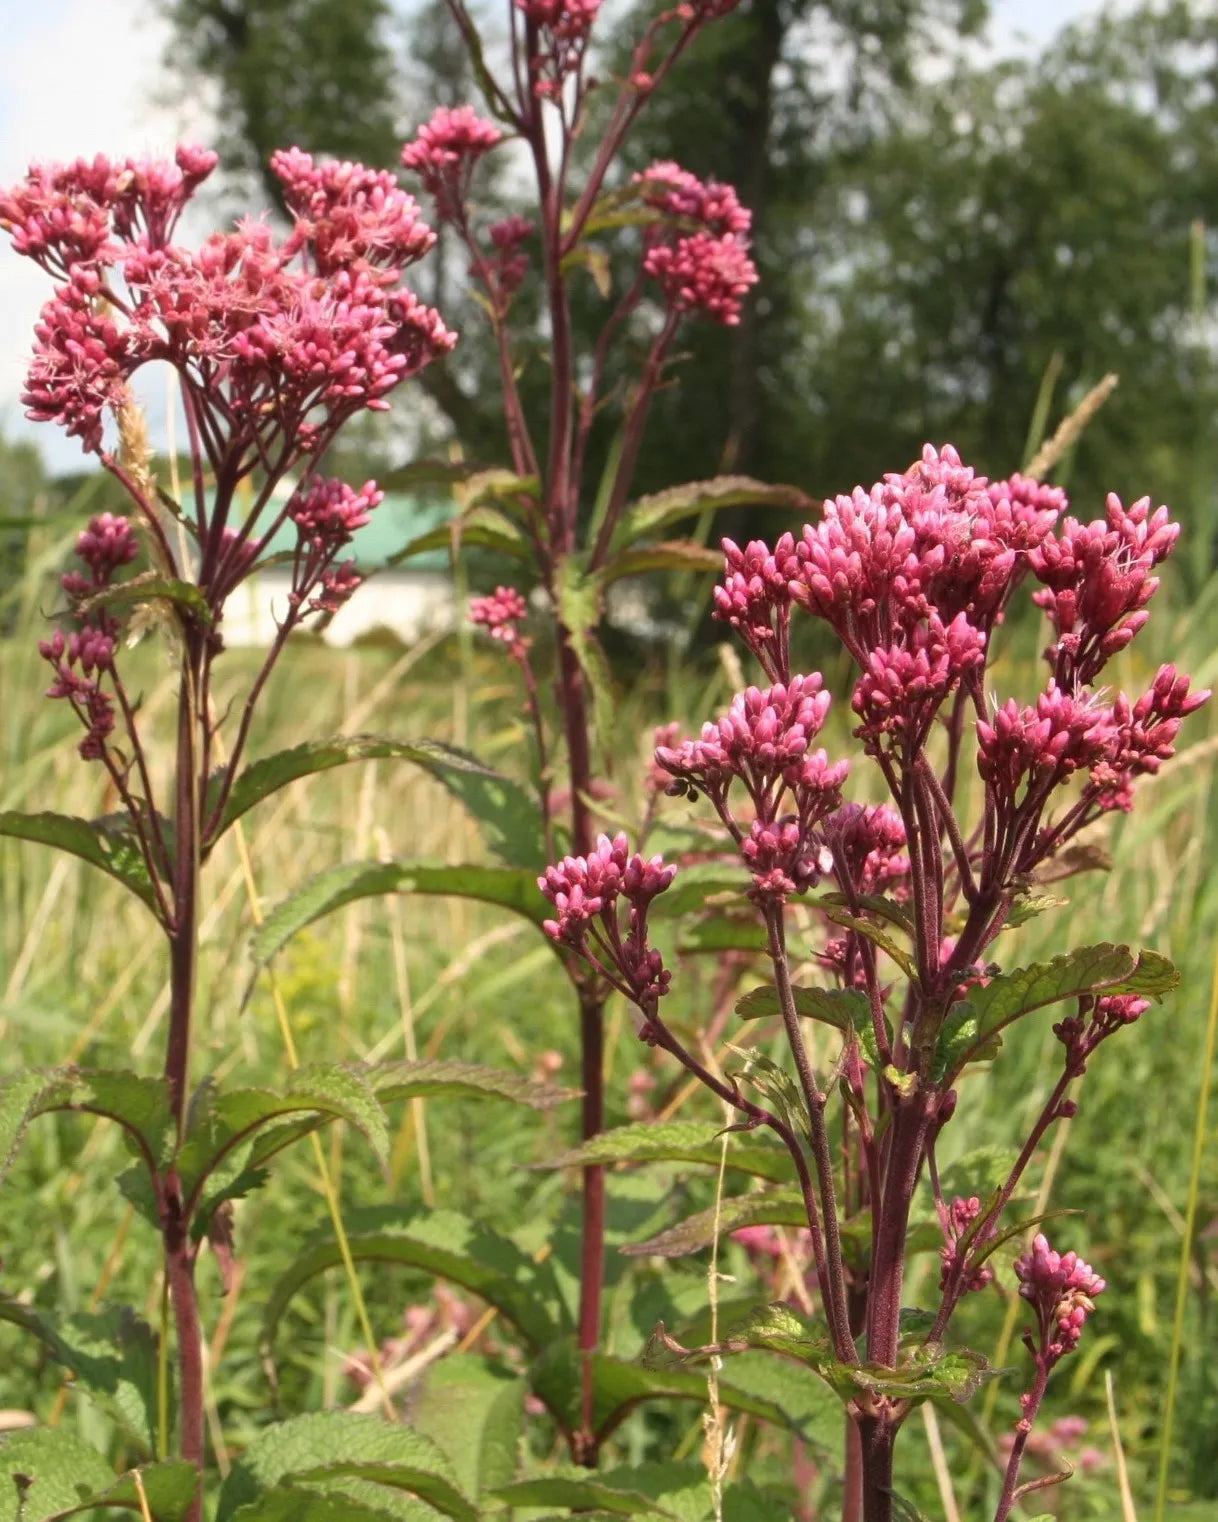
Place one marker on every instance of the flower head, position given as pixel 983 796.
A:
pixel 755 599
pixel 703 275
pixel 1097 582
pixel 602 901
pixel 500 614
pixel 1062 1290
pixel 444 152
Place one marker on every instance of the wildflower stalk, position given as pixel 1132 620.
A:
pixel 914 577
pixel 703 272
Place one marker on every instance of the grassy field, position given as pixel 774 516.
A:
pixel 83 978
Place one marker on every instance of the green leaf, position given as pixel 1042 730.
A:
pixel 580 607
pixel 140 1105
pixel 482 533
pixel 579 1494
pixel 875 935
pixel 511 888
pixel 447 1246
pixel 323 1448
pixel 650 514
pixel 151 586
pixel 509 816
pixel 695 886
pixel 677 1141
pixel 443 1079
pixel 932 1375
pixel 112 1355
pixel 168 1489
pixel 62 1472
pixel 776 1328
pixel 296 1503
pixel 672 555
pixel 221 1132
pixel 843 1008
pixel 767 1207
pixel 787 1396
pixel 878 904
pixel 1102 970
pixel 105 843
pixel 474 1411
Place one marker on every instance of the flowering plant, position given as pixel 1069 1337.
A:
pixel 914 576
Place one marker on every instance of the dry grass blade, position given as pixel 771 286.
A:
pixel 1070 429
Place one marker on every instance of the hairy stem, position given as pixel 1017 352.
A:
pixel 183 952
pixel 834 1291
pixel 876 1437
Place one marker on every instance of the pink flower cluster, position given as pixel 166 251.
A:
pixel 698 248
pixel 763 742
pixel 914 574
pixel 347 213
pixel 1061 1289
pixel 708 205
pixel 511 263
pixel 501 614
pixel 276 345
pixel 62 215
pixel 326 512
pixel 868 847
pixel 755 599
pixel 589 894
pixel 1097 582
pixel 444 152
pixel 81 659
pixel 960 1215
pixel 563 28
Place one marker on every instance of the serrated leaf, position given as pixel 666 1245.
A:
pixel 448 1246
pixel 63 1472
pixel 509 816
pixel 580 599
pixel 103 843
pixel 112 1355
pixel 435 1078
pixel 892 910
pixel 474 1411
pixel 671 555
pixel 767 1207
pixel 580 1495
pixel 293 1503
pixel 619 1386
pixel 677 1141
pixel 140 1105
pixel 478 534
pixel 150 586
pixel 1027 906
pixel 934 1375
pixel 167 1489
pixel 221 1133
pixel 650 514
pixel 875 934
pixel 322 1448
pixel 843 1008
pixel 511 888
pixel 775 1327
pixel 1105 969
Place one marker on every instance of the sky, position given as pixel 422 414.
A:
pixel 84 76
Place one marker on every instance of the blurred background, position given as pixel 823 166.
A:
pixel 965 217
